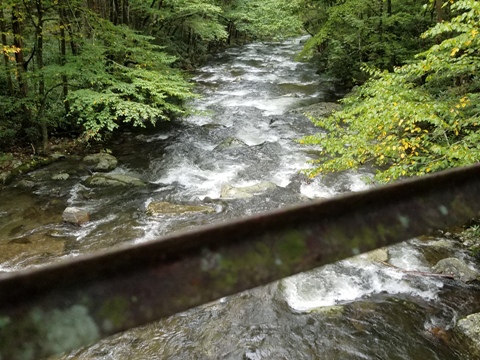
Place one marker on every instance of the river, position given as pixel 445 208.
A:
pixel 242 133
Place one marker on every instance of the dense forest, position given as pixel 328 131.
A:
pixel 84 68
pixel 91 66
pixel 418 112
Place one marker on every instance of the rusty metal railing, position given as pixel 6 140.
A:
pixel 64 306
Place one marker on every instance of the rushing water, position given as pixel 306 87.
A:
pixel 243 133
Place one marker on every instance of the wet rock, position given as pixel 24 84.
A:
pixel 229 143
pixel 231 192
pixel 377 255
pixel 457 268
pixel 468 330
pixel 156 208
pixel 26 249
pixel 5 176
pixel 111 180
pixel 60 176
pixel 25 184
pixel 75 216
pixel 317 110
pixel 102 162
pixel 58 156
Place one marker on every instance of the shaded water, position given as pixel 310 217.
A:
pixel 242 134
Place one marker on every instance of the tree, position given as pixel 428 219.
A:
pixel 423 117
pixel 349 33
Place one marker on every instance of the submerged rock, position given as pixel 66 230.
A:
pixel 102 162
pixel 112 180
pixel 317 110
pixel 230 142
pixel 156 208
pixel 30 249
pixel 457 268
pixel 468 330
pixel 75 216
pixel 60 176
pixel 231 192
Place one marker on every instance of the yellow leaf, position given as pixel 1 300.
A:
pixel 454 51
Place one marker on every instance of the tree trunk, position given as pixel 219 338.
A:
pixel 6 60
pixel 125 12
pixel 41 77
pixel 17 28
pixel 439 10
pixel 380 22
pixel 63 54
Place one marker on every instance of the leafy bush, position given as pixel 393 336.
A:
pixel 421 118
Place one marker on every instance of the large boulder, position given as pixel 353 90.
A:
pixel 102 162
pixel 231 192
pixel 75 216
pixel 468 331
pixel 457 268
pixel 322 109
pixel 157 208
pixel 111 180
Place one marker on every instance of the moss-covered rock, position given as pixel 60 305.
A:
pixel 112 180
pixel 456 267
pixel 468 331
pixel 102 162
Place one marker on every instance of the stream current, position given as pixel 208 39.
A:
pixel 241 134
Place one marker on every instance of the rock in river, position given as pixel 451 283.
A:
pixel 468 329
pixel 113 180
pixel 156 208
pixel 75 216
pixel 102 162
pixel 457 268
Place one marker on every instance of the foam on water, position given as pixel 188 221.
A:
pixel 349 181
pixel 347 281
pixel 315 189
pixel 255 135
pixel 199 182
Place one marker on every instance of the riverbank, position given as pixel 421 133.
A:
pixel 20 160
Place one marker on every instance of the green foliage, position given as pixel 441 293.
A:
pixel 100 65
pixel 130 82
pixel 266 19
pixel 421 118
pixel 350 33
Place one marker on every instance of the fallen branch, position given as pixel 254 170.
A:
pixel 419 273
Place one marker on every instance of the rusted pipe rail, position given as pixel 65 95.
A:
pixel 64 306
